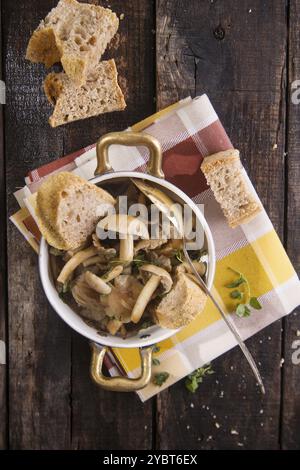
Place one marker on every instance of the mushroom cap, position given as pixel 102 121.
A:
pixel 165 278
pixel 124 225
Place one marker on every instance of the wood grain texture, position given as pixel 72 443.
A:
pixel 3 271
pixel 101 419
pixel 235 52
pixel 291 371
pixel 39 342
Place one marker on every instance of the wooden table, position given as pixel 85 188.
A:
pixel 245 54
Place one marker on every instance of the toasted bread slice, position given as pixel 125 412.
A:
pixel 100 94
pixel 69 208
pixel 224 174
pixel 74 33
pixel 181 305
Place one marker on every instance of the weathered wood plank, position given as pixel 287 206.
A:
pixel 235 52
pixel 291 371
pixel 3 272
pixel 101 419
pixel 39 342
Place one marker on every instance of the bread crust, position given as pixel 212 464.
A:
pixel 48 205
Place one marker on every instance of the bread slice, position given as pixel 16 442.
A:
pixel 100 94
pixel 181 305
pixel 74 33
pixel 224 174
pixel 68 209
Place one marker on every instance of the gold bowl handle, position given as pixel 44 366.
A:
pixel 154 167
pixel 120 384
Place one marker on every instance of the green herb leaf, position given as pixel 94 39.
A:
pixel 193 380
pixel 139 260
pixel 155 361
pixel 236 283
pixel 236 294
pixel 254 302
pixel 179 255
pixel 160 378
pixel 242 311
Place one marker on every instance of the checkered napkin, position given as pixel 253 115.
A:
pixel 188 131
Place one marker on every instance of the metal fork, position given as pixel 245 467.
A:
pixel 227 320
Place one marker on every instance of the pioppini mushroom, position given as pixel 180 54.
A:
pixel 74 262
pixel 149 244
pixel 127 227
pixel 96 283
pixel 185 267
pixel 113 273
pixel 157 276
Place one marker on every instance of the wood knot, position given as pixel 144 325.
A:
pixel 219 33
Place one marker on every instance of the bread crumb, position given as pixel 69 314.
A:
pixel 221 394
pixel 217 425
pixel 209 438
pixel 298 333
pixel 261 411
pixel 250 11
pixel 122 16
pixel 274 147
pixel 240 444
pixel 188 426
pixel 192 405
pixel 234 432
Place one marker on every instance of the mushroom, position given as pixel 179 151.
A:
pixel 157 276
pixel 74 262
pixel 104 254
pixel 185 267
pixel 120 302
pixel 149 244
pixel 96 283
pixel 127 227
pixel 112 274
pixel 164 203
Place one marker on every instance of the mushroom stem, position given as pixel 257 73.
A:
pixel 144 298
pixel 112 274
pixel 74 262
pixel 126 248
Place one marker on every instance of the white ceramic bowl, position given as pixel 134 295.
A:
pixel 143 338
